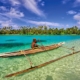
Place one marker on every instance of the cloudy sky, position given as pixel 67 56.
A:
pixel 54 13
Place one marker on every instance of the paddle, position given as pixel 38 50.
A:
pixel 43 47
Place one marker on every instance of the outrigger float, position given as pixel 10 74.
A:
pixel 41 65
pixel 33 51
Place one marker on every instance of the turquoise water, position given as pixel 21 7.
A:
pixel 12 43
pixel 65 69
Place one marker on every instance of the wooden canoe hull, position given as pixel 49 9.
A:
pixel 32 51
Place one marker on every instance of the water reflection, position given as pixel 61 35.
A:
pixel 16 44
pixel 11 40
pixel 9 45
pixel 43 40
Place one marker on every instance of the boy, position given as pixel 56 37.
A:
pixel 34 45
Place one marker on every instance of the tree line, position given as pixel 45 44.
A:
pixel 40 30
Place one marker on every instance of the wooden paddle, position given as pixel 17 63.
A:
pixel 43 47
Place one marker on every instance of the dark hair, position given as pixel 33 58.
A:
pixel 34 40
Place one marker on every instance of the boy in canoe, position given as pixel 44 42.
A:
pixel 34 44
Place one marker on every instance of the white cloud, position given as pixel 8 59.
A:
pixel 32 5
pixel 5 23
pixel 78 0
pixel 13 13
pixel 67 25
pixel 44 23
pixel 77 16
pixel 3 8
pixel 8 23
pixel 71 12
pixel 7 16
pixel 15 2
pixel 12 2
pixel 78 23
pixel 51 24
pixel 77 3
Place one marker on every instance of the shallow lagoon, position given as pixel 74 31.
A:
pixel 64 69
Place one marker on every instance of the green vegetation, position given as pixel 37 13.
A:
pixel 40 30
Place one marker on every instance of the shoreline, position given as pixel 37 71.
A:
pixel 39 35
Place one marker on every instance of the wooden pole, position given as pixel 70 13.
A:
pixel 44 49
pixel 27 58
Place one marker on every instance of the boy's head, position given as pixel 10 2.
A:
pixel 34 40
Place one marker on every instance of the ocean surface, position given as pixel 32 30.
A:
pixel 64 69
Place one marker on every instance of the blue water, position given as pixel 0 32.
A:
pixel 64 69
pixel 11 43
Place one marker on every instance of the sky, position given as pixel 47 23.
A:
pixel 52 13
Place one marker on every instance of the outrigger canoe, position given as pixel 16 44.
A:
pixel 32 51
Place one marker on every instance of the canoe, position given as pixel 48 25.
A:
pixel 32 51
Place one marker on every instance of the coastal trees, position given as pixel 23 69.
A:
pixel 40 30
pixel 62 31
pixel 72 30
